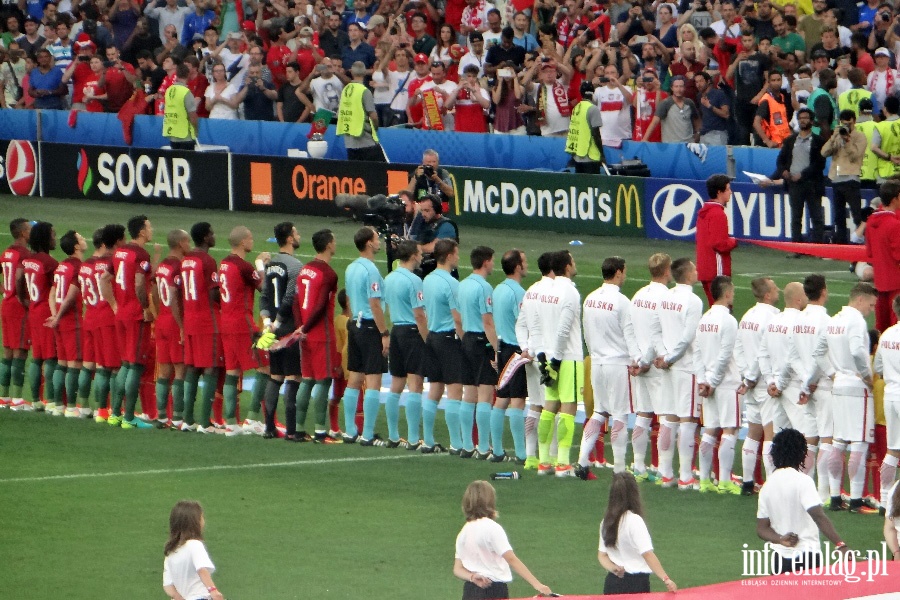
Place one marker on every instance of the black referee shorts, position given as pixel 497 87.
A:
pixel 497 590
pixel 364 348
pixel 518 385
pixel 407 354
pixel 444 359
pixel 478 354
pixel 285 362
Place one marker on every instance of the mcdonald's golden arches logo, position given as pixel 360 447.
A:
pixel 627 192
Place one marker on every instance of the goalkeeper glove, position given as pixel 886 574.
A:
pixel 553 371
pixel 265 341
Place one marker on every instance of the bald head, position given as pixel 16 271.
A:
pixel 177 237
pixel 238 235
pixel 794 296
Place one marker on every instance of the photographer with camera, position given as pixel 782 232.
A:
pixel 430 178
pixel 846 147
pixel 435 226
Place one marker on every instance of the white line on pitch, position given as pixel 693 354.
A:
pixel 293 463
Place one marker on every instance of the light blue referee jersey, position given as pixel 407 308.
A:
pixel 362 282
pixel 441 292
pixel 507 301
pixel 474 301
pixel 403 292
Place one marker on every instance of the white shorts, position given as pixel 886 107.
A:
pixel 771 411
pixel 679 395
pixel 645 390
pixel 533 380
pixel 753 400
pixel 798 415
pixel 722 409
pixel 612 389
pixel 854 418
pixel 892 418
pixel 821 406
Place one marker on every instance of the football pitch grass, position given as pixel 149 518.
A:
pixel 86 505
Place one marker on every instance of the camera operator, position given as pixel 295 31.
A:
pixel 846 147
pixel 407 229
pixel 435 227
pixel 430 178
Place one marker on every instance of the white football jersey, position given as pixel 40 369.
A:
pixel 809 329
pixel 645 318
pixel 887 362
pixel 847 341
pixel 774 364
pixel 749 336
pixel 559 310
pixel 714 349
pixel 679 313
pixel 528 330
pixel 608 330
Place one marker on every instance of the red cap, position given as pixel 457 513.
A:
pixel 248 25
pixel 84 42
pixel 421 58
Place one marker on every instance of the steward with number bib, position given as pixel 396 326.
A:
pixel 180 123
pixel 358 119
pixel 584 141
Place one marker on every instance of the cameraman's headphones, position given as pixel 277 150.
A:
pixel 435 202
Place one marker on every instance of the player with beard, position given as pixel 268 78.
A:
pixel 39 269
pixel 169 330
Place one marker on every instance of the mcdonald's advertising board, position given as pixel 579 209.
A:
pixel 562 202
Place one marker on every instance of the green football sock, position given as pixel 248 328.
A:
pixel 565 434
pixel 34 379
pixel 121 378
pixel 85 376
pixel 132 389
pixel 72 387
pixel 59 385
pixel 303 396
pixel 5 376
pixel 115 393
pixel 190 394
pixel 207 397
pixel 50 366
pixel 177 399
pixel 320 404
pixel 230 393
pixel 256 396
pixel 545 434
pixel 162 396
pixel 17 378
pixel 101 388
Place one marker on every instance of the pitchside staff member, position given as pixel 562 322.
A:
pixel 443 347
pixel 479 353
pixel 368 338
pixel 510 402
pixel 277 299
pixel 435 227
pixel 405 298
pixel 430 178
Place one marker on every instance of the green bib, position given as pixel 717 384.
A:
pixel 890 143
pixel 351 114
pixel 850 99
pixel 811 103
pixel 176 123
pixel 870 161
pixel 580 142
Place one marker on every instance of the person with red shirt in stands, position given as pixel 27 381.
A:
pixel 197 84
pixel 65 305
pixel 39 268
pixel 279 56
pixel 713 244
pixel 471 101
pixel 202 334
pixel 118 80
pixel 14 316
pixel 168 65
pixel 416 112
pixel 131 287
pixel 883 248
pixel 237 283
pixel 308 54
pixel 169 330
pixel 320 358
pixel 646 99
pixel 80 73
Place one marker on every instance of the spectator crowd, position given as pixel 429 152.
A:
pixel 689 71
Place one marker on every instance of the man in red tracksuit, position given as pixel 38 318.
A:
pixel 883 248
pixel 713 244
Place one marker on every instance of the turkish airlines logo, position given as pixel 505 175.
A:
pixel 674 209
pixel 21 168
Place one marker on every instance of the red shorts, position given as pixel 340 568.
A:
pixel 240 355
pixel 87 346
pixel 68 345
pixel 318 360
pixel 106 354
pixel 134 340
pixel 43 340
pixel 169 348
pixel 203 350
pixel 16 334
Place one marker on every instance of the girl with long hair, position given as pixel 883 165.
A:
pixel 507 96
pixel 483 554
pixel 221 96
pixel 445 39
pixel 187 569
pixel 626 550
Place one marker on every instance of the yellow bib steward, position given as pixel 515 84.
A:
pixel 850 99
pixel 351 113
pixel 176 122
pixel 890 144
pixel 870 161
pixel 580 141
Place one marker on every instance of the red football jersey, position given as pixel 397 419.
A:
pixel 314 300
pixel 10 262
pixel 66 276
pixel 198 277
pixel 168 285
pixel 90 292
pixel 237 282
pixel 127 262
pixel 39 270
pixel 104 313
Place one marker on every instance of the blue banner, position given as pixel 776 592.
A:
pixel 754 212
